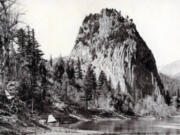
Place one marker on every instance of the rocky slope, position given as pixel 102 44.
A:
pixel 111 43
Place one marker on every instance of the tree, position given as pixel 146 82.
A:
pixel 78 70
pixel 43 86
pixel 167 98
pixel 59 70
pixel 8 27
pixel 30 65
pixel 110 84
pixel 178 93
pixel 102 79
pixel 70 69
pixel 43 76
pixel 118 88
pixel 94 85
pixel 104 97
pixel 89 84
pixel 65 84
pixel 33 58
pixel 51 61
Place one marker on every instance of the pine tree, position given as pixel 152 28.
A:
pixel 65 84
pixel 21 35
pixel 43 79
pixel 70 69
pixel 110 84
pixel 43 76
pixel 51 61
pixel 78 70
pixel 22 53
pixel 89 84
pixel 102 79
pixel 59 70
pixel 29 56
pixel 118 88
pixel 178 93
pixel 167 98
pixel 105 88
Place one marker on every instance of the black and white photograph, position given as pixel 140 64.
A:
pixel 89 67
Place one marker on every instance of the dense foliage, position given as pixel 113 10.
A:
pixel 171 85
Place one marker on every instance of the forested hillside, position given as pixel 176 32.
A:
pixel 171 85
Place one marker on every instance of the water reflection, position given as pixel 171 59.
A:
pixel 169 126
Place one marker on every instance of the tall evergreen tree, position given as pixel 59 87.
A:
pixel 29 56
pixel 44 83
pixel 33 61
pixel 43 77
pixel 78 70
pixel 110 84
pixel 118 88
pixel 89 84
pixel 59 70
pixel 70 69
pixel 65 84
pixel 101 80
pixel 51 61
pixel 167 98
pixel 178 93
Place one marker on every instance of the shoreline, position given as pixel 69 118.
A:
pixel 60 130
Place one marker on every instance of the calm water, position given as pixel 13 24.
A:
pixel 169 126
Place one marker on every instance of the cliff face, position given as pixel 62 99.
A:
pixel 111 43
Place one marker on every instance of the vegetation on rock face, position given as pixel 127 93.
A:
pixel 112 45
pixel 155 107
pixel 171 85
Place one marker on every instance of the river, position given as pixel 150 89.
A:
pixel 169 126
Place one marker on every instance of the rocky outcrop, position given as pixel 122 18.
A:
pixel 111 43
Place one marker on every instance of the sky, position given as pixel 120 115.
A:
pixel 57 22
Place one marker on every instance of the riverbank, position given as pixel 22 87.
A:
pixel 72 128
pixel 63 131
pixel 117 127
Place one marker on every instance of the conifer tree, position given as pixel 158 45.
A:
pixel 167 98
pixel 44 87
pixel 105 88
pixel 118 89
pixel 70 69
pixel 178 93
pixel 51 61
pixel 59 70
pixel 110 84
pixel 43 76
pixel 78 70
pixel 102 79
pixel 89 84
pixel 65 84
pixel 21 53
pixel 29 56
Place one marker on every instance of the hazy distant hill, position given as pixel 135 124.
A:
pixel 172 69
pixel 170 76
